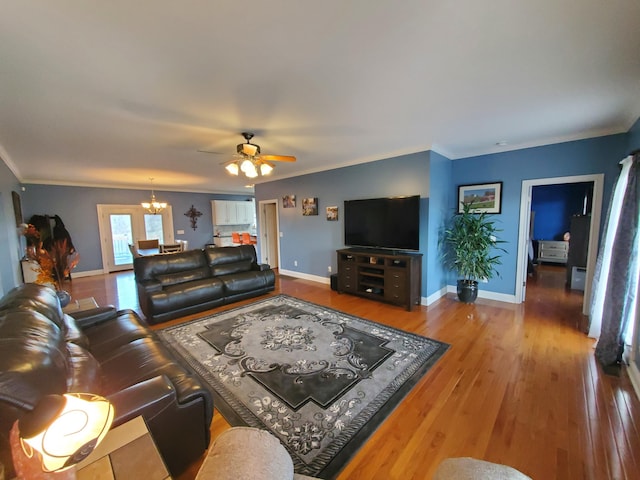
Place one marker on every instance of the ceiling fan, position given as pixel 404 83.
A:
pixel 250 161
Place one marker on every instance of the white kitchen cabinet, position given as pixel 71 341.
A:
pixel 230 212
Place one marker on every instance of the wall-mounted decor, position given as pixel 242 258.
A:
pixel 484 197
pixel 289 201
pixel 310 206
pixel 17 208
pixel 332 214
pixel 193 215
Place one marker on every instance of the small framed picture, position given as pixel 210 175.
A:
pixel 289 201
pixel 332 214
pixel 310 206
pixel 483 197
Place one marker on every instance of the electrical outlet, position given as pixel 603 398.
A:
pixel 281 234
pixel 329 268
pixel 295 263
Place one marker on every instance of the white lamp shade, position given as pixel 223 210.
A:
pixel 233 168
pixel 265 168
pixel 71 435
pixel 246 165
pixel 251 172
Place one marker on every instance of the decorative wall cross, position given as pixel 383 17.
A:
pixel 193 214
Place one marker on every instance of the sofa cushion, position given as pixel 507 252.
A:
pixel 83 371
pixel 34 357
pixel 182 276
pixel 247 281
pixel 231 268
pixel 122 329
pixel 174 297
pixel 228 260
pixel 36 297
pixel 74 333
pixel 150 267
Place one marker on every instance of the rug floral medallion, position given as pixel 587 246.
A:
pixel 319 379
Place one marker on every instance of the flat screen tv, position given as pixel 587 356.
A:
pixel 389 223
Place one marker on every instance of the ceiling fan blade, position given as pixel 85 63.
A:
pixel 278 158
pixel 214 153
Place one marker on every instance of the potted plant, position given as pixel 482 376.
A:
pixel 470 246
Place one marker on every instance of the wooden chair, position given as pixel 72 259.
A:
pixel 171 248
pixel 148 244
pixel 134 251
pixel 235 238
pixel 247 240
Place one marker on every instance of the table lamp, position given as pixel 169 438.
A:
pixel 64 429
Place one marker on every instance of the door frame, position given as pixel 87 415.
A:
pixel 594 230
pixel 104 210
pixel 264 239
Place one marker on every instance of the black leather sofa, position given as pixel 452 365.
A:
pixel 102 351
pixel 178 284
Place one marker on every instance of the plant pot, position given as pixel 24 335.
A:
pixel 467 291
pixel 64 297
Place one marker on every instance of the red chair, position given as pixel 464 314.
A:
pixel 247 240
pixel 235 238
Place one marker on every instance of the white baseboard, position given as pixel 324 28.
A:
pixel 305 276
pixel 500 297
pixel 634 376
pixel 434 297
pixel 88 273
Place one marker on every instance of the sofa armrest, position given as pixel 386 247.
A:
pixel 150 286
pixel 149 397
pixel 260 266
pixel 93 316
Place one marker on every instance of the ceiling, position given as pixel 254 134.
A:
pixel 112 93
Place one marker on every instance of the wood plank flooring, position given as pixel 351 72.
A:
pixel 518 386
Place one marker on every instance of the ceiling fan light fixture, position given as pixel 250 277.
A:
pixel 248 149
pixel 247 165
pixel 251 172
pixel 265 168
pixel 233 168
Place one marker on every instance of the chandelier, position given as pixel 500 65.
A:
pixel 154 207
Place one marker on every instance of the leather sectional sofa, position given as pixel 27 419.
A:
pixel 178 284
pixel 102 351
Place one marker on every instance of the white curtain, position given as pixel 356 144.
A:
pixel 615 283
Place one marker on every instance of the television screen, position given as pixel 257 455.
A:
pixel 392 223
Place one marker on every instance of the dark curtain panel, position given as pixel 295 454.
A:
pixel 622 283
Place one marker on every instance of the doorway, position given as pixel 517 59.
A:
pixel 524 234
pixel 123 225
pixel 269 233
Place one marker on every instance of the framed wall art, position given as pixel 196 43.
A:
pixel 484 197
pixel 332 214
pixel 310 206
pixel 289 201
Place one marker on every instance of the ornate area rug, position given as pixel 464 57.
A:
pixel 320 380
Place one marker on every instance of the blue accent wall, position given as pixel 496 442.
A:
pixel 634 136
pixel 312 241
pixel 554 205
pixel 439 211
pixel 77 207
pixel 583 157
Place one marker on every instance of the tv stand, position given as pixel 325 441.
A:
pixel 381 275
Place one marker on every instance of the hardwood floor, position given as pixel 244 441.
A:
pixel 518 386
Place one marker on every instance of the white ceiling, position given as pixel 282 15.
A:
pixel 111 93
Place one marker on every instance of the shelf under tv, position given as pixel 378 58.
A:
pixel 381 275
